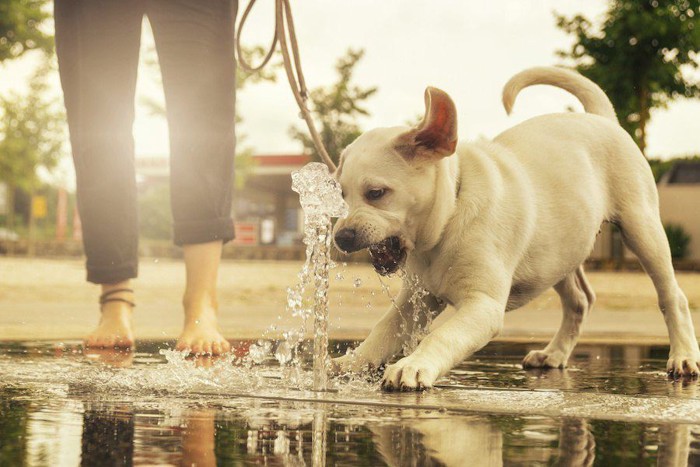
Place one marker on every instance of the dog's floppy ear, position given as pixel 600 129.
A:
pixel 436 136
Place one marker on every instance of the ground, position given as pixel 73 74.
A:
pixel 49 299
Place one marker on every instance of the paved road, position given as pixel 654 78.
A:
pixel 48 299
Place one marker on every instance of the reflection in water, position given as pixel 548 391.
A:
pixel 107 436
pixel 319 438
pixel 675 447
pixel 310 434
pixel 198 439
pixel 14 410
pixel 576 443
pixel 441 442
pixel 51 420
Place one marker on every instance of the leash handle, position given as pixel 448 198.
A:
pixel 284 24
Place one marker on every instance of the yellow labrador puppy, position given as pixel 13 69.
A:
pixel 488 226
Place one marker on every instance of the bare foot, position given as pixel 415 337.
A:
pixel 114 330
pixel 201 335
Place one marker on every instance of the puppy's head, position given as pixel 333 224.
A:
pixel 388 177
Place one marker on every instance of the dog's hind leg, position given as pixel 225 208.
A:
pixel 643 233
pixel 577 298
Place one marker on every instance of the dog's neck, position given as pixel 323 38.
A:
pixel 447 185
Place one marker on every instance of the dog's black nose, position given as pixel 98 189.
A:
pixel 345 239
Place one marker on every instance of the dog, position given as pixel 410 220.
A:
pixel 488 226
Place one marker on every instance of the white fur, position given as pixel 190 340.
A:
pixel 530 205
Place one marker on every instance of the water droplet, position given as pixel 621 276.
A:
pixel 357 282
pixel 283 354
pixel 258 352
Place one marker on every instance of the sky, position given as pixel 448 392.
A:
pixel 469 49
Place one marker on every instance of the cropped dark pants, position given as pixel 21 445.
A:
pixel 97 42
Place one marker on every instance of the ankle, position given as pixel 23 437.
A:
pixel 116 311
pixel 192 301
pixel 116 302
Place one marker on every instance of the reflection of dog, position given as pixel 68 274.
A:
pixel 439 441
pixel 498 223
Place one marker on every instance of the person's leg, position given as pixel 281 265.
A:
pixel 194 39
pixel 115 329
pixel 97 43
pixel 200 334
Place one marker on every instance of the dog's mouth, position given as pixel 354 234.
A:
pixel 387 255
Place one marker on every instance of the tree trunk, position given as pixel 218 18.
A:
pixel 10 216
pixel 643 116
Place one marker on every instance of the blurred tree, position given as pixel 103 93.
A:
pixel 32 134
pixel 337 108
pixel 155 218
pixel 20 22
pixel 640 55
pixel 678 240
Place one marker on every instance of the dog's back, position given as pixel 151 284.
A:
pixel 583 168
pixel 608 151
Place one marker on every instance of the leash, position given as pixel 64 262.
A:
pixel 284 22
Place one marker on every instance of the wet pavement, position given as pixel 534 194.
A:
pixel 614 406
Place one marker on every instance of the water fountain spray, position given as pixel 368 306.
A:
pixel 321 199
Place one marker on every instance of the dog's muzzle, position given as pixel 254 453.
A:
pixel 387 255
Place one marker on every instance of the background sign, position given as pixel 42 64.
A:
pixel 39 209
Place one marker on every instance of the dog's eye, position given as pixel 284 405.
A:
pixel 375 194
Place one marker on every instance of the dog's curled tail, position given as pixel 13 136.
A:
pixel 591 96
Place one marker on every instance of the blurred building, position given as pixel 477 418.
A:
pixel 679 204
pixel 266 210
pixel 679 201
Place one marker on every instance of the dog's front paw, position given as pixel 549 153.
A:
pixel 409 374
pixel 683 365
pixel 542 359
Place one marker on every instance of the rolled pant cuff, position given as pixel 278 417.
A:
pixel 188 233
pixel 112 274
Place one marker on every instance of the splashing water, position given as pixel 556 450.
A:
pixel 415 327
pixel 321 199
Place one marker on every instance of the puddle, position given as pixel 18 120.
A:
pixel 613 407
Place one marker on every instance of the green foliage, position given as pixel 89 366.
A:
pixel 337 109
pixel 639 55
pixel 155 218
pixel 678 239
pixel 660 167
pixel 32 133
pixel 20 22
pixel 253 55
pixel 244 165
